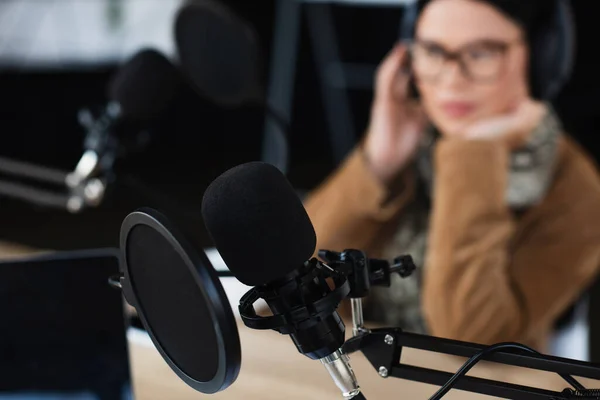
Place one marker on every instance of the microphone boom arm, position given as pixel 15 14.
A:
pixel 383 347
pixel 75 190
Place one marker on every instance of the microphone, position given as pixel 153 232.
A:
pixel 263 233
pixel 139 93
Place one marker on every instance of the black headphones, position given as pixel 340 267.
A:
pixel 552 48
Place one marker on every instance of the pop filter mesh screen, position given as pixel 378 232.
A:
pixel 218 51
pixel 173 304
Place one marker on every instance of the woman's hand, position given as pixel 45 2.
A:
pixel 512 129
pixel 397 123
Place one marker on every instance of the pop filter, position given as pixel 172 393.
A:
pixel 180 302
pixel 220 55
pixel 219 52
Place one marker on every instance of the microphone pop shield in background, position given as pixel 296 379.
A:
pixel 145 85
pixel 180 301
pixel 219 53
pixel 258 223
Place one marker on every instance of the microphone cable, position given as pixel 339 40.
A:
pixel 470 363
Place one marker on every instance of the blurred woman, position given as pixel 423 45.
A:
pixel 476 180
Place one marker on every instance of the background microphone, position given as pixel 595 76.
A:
pixel 264 235
pixel 139 93
pixel 144 86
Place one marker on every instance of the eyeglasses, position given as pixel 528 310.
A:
pixel 481 61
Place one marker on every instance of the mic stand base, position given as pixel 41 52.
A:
pixel 383 348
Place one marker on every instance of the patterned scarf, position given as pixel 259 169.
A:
pixel 530 176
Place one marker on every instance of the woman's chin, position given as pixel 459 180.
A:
pixel 452 129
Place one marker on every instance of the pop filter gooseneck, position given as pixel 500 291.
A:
pixel 219 54
pixel 180 301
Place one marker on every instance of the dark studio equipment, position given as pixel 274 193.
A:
pixel 552 47
pixel 139 93
pixel 265 237
pixel 180 301
pixel 64 331
pixel 220 55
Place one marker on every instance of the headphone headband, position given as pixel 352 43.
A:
pixel 552 50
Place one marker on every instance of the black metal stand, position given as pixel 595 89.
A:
pixel 383 347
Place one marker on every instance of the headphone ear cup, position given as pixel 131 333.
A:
pixel 407 32
pixel 409 21
pixel 552 53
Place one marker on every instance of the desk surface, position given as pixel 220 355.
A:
pixel 272 369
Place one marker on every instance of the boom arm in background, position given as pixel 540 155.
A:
pixel 75 190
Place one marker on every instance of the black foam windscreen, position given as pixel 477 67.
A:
pixel 180 301
pixel 258 223
pixel 218 52
pixel 145 85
